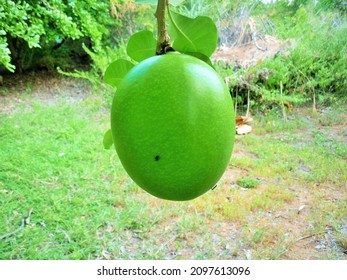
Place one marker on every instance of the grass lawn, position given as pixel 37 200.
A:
pixel 283 195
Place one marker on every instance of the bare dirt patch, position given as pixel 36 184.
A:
pixel 44 87
pixel 253 53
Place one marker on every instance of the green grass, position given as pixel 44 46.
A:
pixel 247 182
pixel 52 161
pixel 86 207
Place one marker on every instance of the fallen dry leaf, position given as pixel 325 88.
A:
pixel 243 129
pixel 242 126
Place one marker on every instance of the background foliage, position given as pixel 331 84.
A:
pixel 40 33
pixel 81 38
pixel 317 65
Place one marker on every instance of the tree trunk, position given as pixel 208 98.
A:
pixel 15 53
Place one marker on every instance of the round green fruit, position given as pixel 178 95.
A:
pixel 173 126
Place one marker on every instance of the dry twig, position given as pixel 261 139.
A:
pixel 25 221
pixel 167 243
pixel 305 237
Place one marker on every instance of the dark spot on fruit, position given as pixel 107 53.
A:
pixel 157 158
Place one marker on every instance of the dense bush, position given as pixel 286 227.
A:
pixel 40 33
pixel 29 24
pixel 313 71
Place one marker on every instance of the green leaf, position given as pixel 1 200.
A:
pixel 198 35
pixel 108 139
pixel 155 2
pixel 141 45
pixel 202 57
pixel 116 71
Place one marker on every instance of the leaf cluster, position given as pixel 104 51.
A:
pixel 35 23
pixel 193 36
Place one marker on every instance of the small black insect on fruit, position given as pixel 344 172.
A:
pixel 157 158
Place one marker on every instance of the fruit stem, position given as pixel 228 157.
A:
pixel 163 44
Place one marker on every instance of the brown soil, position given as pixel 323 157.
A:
pixel 249 54
pixel 41 86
